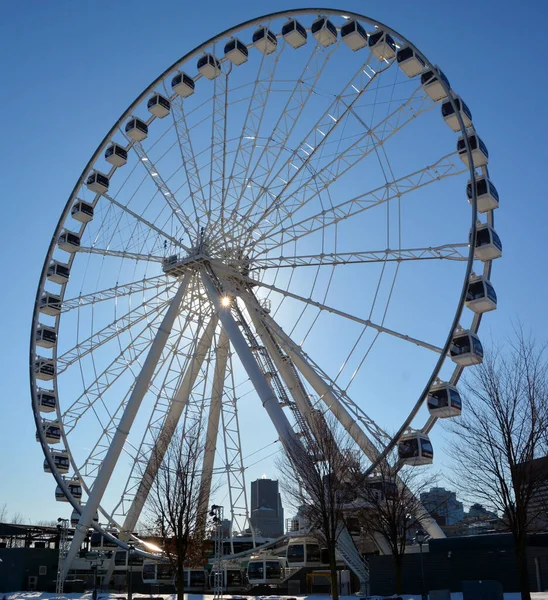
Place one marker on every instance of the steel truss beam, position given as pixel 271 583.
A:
pixel 124 426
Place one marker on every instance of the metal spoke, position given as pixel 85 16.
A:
pixel 120 254
pixel 118 291
pixel 442 168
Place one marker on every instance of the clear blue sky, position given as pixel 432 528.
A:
pixel 69 69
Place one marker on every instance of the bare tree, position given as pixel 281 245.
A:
pixel 3 512
pixel 17 518
pixel 391 510
pixel 316 481
pixel 173 501
pixel 501 431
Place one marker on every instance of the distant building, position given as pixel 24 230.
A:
pixel 536 472
pixel 267 514
pixel 443 505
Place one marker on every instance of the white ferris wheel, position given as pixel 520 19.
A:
pixel 281 226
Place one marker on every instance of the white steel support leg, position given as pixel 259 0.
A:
pixel 268 398
pixel 336 407
pixel 169 426
pixel 122 431
pixel 212 430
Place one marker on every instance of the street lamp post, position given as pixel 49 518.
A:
pixel 131 548
pixel 420 537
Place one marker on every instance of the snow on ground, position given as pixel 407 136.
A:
pixel 118 596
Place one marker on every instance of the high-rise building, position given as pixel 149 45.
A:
pixel 267 513
pixel 443 505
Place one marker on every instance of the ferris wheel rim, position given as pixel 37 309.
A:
pixel 280 14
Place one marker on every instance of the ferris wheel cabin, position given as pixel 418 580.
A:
pixel 52 432
pixel 75 517
pixel 45 336
pixel 82 211
pixel 46 400
pixel 265 41
pixel 266 570
pixel 382 486
pixel 183 85
pixel 50 304
pixel 410 61
pixel 209 66
pixel 58 272
pixel 69 241
pixel 116 155
pixel 236 52
pixel 450 116
pixel 60 460
pixel 444 401
pixel 354 35
pixel 481 296
pixel 159 106
pixel 431 82
pixel 480 154
pixel 136 129
pixel 74 488
pixel 324 32
pixel 44 369
pixel 97 182
pixel 382 45
pixel 294 33
pixel 303 552
pixel 415 449
pixel 486 194
pixel 466 349
pixel 233 578
pixel 488 244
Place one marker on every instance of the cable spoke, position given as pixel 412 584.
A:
pixel 444 167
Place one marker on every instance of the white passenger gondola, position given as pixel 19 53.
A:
pixel 415 449
pixel 209 66
pixel 410 61
pixel 69 241
pixel 382 45
pixel 136 129
pixel 383 486
pixel 294 33
pixel 75 517
pixel 264 40
pixel 97 182
pixel 75 490
pixel 52 432
pixel 480 154
pixel 303 552
pixel 50 304
pixel 236 52
pixel 431 82
pixel 324 31
pixel 159 106
pixel 354 35
pixel 183 85
pixel 266 569
pixel 58 272
pixel 450 116
pixel 82 211
pixel 466 349
pixel 47 400
pixel 486 194
pixel 233 578
pixel 444 401
pixel 116 155
pixel 488 244
pixel 45 336
pixel 60 460
pixel 481 296
pixel 44 368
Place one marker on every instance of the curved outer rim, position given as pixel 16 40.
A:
pixel 280 14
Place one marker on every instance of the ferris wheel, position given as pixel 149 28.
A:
pixel 276 229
